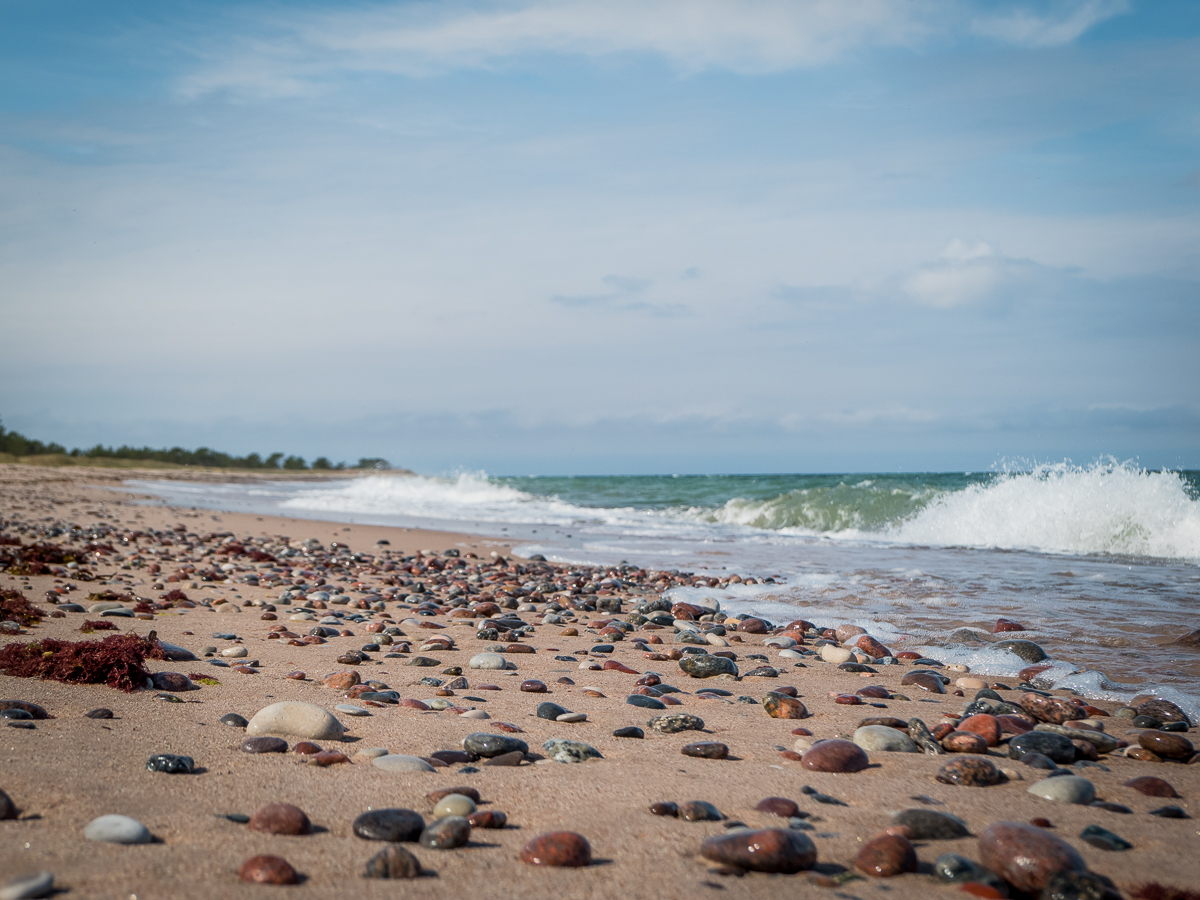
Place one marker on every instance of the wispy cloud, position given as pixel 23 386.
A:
pixel 1062 23
pixel 624 296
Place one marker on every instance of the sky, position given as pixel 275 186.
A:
pixel 605 236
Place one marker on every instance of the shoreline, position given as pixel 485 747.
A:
pixel 67 770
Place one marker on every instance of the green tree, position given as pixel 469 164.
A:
pixel 295 462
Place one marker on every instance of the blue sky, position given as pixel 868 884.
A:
pixel 605 236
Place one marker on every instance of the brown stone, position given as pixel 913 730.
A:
pixel 1145 784
pixel 280 818
pixel 516 648
pixel 844 633
pixel 435 796
pixel 969 771
pixel 306 748
pixel 836 755
pixel 341 681
pixel 886 721
pixel 1086 750
pixel 488 818
pixel 1055 710
pixel 613 666
pixel 296 676
pixel 872 647
pixel 327 758
pixel 847 700
pixel 964 742
pixel 264 745
pixel 786 689
pixel 1026 856
pixel 533 686
pixel 1010 724
pixel 886 855
pixel 780 707
pixel 1002 625
pixel 175 682
pixel 562 849
pixel 767 850
pixel 987 727
pixel 413 704
pixel 1163 710
pixel 392 861
pixel 779 806
pixel 268 870
pixel 941 730
pixel 1143 754
pixel 753 626
pixel 875 692
pixel 706 750
pixel 926 681
pixel 908 654
pixel 1164 743
pixel 8 809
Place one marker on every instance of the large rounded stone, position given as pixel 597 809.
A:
pixel 984 725
pixel 1144 784
pixel 836 755
pixel 293 717
pixel 1172 746
pixel 389 825
pixel 880 738
pixel 1055 710
pixel 1055 746
pixel 116 829
pixel 930 825
pixel 1163 710
pixel 703 666
pixel 1026 650
pixel 1065 789
pixel 885 856
pixel 926 681
pixel 399 762
pixel 268 870
pixel 561 849
pixel 780 706
pixel 488 661
pixel 280 818
pixel 488 745
pixel 1026 856
pixel 767 850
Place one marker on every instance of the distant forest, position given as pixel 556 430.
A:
pixel 18 445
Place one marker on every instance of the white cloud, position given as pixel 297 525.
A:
pixel 1065 23
pixel 966 274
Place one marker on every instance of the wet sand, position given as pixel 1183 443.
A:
pixel 70 769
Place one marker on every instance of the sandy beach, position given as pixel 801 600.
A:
pixel 69 769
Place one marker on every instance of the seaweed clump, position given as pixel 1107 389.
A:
pixel 90 625
pixel 34 559
pixel 174 596
pixel 118 661
pixel 14 606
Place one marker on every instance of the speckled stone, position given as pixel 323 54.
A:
pixel 706 750
pixel 1026 856
pixel 560 849
pixel 1055 710
pixel 447 833
pixel 570 751
pixel 392 862
pixel 779 850
pixel 705 666
pixel 779 706
pixel 675 723
pixel 885 856
pixel 969 771
pixel 836 755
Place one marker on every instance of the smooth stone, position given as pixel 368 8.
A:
pixel 629 731
pixel 116 829
pixel 171 764
pixel 1163 710
pixel 1065 789
pixel 27 887
pixel 704 666
pixel 1055 710
pixel 1055 746
pixel 264 745
pixel 560 849
pixel 479 714
pixel 348 709
pixel 570 751
pixel 885 856
pixel 780 706
pixel 985 725
pixel 8 809
pixel 446 834
pixel 389 825
pixel 101 712
pixel 392 862
pixel 706 750
pixel 675 723
pixel 439 794
pixel 836 755
pixel 488 661
pixel 1151 786
pixel 1104 839
pixel 549 710
pixel 1169 812
pixel 778 806
pixel 880 738
pixel 1171 746
pixel 698 811
pixel 831 653
pixel 280 818
pixel 926 681
pixel 454 805
pixel 266 869
pixel 964 742
pixel 296 718
pixel 233 720
pixel 514 758
pixel 488 818
pixel 930 825
pixel 1026 650
pixel 572 718
pixel 951 868
pixel 398 762
pixel 776 850
pixel 489 745
pixel 1039 761
pixel 1025 855
pixel 1104 743
pixel 235 652
pixel 645 702
pixel 176 682
pixel 970 771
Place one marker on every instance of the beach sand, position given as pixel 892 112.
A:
pixel 70 769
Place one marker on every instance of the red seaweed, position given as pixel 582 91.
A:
pixel 174 595
pixel 14 606
pixel 90 625
pixel 117 660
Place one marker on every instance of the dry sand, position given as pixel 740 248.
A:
pixel 71 769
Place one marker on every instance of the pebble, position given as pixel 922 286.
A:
pixel 171 764
pixel 570 751
pixel 705 666
pixel 1163 710
pixel 1145 784
pixel 836 755
pixel 1026 650
pixel 439 794
pixel 778 806
pixel 629 731
pixel 1104 839
pixel 831 653
pixel 548 710
pixel 1169 812
pixel 777 850
pixel 389 825
pixel 706 750
pixel 880 738
pixel 561 849
pixel 1171 746
pixel 392 862
pixel 886 855
pixel 1025 855
pixel 233 720
pixel 348 709
pixel 1065 789
pixel 490 745
pixel 27 886
pixel 293 717
pixel 926 681
pixel 8 809
pixel 780 706
pixel 171 681
pixel 1104 743
pixel 268 870
pixel 969 771
pixel 675 723
pixel 515 758
pixel 1055 710
pixel 533 686
pixel 664 808
pixel 280 818
pixel 698 811
pixel 951 868
pixel 964 742
pixel 454 805
pixel 306 748
pixel 446 834
pixel 235 652
pixel 488 818
pixel 1055 746
pixel 645 702
pixel 116 829
pixel 488 661
pixel 930 825
pixel 474 714
pixel 572 718
pixel 984 725
pixel 398 762
pixel 99 713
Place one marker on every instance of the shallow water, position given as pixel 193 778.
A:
pixel 1100 563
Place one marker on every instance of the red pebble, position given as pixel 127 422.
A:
pixel 940 731
pixel 280 818
pixel 413 704
pixel 848 699
pixel 296 676
pixel 619 667
pixel 669 700
pixel 306 748
pixel 327 758
pixel 1041 823
pixel 987 727
pixel 563 849
pixel 268 870
pixel 802 732
pixel 1003 625
pixel 487 818
pixel 907 654
pixel 509 728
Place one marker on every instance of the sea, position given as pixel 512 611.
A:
pixel 1099 562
